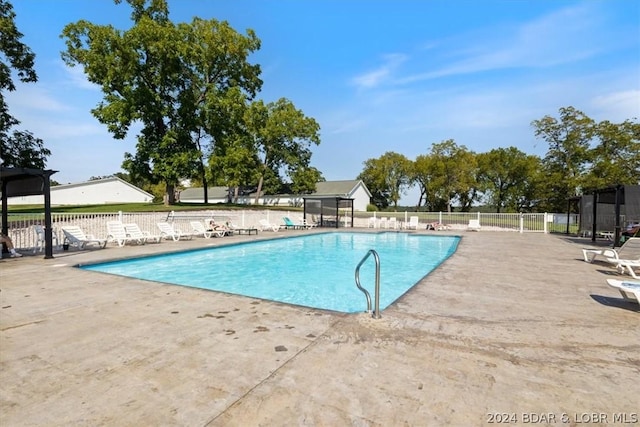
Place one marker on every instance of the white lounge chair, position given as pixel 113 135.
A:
pixel 74 236
pixel 167 231
pixel 40 239
pixel 629 250
pixel 307 224
pixel 199 229
pixel 384 222
pixel 117 233
pixel 134 231
pixel 626 265
pixel 474 225
pixel 413 223
pixel 393 223
pixel 289 224
pixel 266 225
pixel 630 290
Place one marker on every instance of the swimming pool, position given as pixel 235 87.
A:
pixel 314 270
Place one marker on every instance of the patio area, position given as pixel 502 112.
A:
pixel 512 326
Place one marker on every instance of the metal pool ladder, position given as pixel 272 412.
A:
pixel 376 313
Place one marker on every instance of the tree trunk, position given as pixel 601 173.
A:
pixel 260 181
pixel 170 195
pixel 236 192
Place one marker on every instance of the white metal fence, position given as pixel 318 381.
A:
pixel 536 222
pixel 24 236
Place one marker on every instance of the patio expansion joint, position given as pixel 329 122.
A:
pixel 35 322
pixel 312 343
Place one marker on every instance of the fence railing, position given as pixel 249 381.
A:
pixel 24 236
pixel 524 223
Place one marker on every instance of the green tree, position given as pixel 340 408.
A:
pixel 504 175
pixel 234 163
pixel 616 157
pixel 569 138
pixel 424 174
pixel 18 148
pixel 281 136
pixel 304 180
pixel 387 177
pixel 172 79
pixel 373 177
pixel 454 174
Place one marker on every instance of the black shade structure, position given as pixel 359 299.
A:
pixel 601 209
pixel 28 182
pixel 326 209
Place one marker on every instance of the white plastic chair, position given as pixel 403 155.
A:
pixel 168 232
pixel 266 225
pixel 74 236
pixel 413 223
pixel 135 232
pixel 40 239
pixel 474 225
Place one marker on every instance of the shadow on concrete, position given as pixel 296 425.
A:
pixel 586 241
pixel 616 302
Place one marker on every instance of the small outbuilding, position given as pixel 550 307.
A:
pixel 328 211
pixel 96 192
pixel 22 182
pixel 609 209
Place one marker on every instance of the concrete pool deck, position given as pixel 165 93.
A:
pixel 513 327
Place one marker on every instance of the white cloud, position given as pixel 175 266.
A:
pixel 63 130
pixel 33 97
pixel 381 74
pixel 618 106
pixel 562 37
pixel 76 77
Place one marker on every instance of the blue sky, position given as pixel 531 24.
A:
pixel 377 75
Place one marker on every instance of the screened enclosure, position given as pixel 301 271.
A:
pixel 609 210
pixel 329 211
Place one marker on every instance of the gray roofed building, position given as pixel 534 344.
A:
pixel 196 195
pixel 99 191
pixel 354 189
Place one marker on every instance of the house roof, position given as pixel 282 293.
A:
pixel 339 188
pixel 102 180
pixel 343 188
pixel 197 193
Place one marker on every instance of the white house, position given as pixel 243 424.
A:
pixel 353 189
pixel 100 191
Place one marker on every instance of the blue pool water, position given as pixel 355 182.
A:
pixel 313 271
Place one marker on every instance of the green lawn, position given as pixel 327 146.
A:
pixel 141 207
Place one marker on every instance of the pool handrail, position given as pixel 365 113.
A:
pixel 376 313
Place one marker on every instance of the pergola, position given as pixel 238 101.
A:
pixel 601 203
pixel 327 208
pixel 28 182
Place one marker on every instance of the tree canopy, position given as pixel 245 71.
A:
pixel 191 87
pixel 281 136
pixel 387 177
pixel 177 80
pixel 18 148
pixel 582 155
